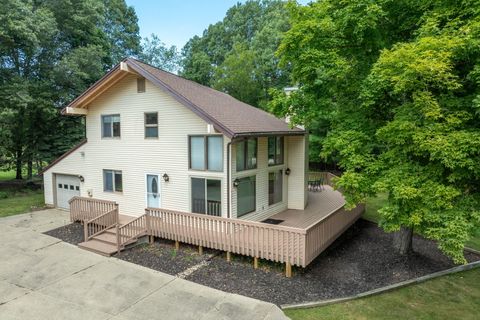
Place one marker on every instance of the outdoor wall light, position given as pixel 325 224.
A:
pixel 81 178
pixel 165 177
pixel 287 171
pixel 236 182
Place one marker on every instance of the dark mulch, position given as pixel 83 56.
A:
pixel 162 256
pixel 361 259
pixel 71 233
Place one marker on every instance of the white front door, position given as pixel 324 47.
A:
pixel 153 191
pixel 67 188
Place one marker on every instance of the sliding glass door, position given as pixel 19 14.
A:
pixel 207 196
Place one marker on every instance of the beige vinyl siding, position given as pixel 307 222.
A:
pixel 297 181
pixel 136 156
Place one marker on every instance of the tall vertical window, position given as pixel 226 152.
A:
pixel 275 150
pixel 140 85
pixel 151 125
pixel 275 187
pixel 112 181
pixel 246 195
pixel 246 157
pixel 206 153
pixel 111 126
pixel 207 196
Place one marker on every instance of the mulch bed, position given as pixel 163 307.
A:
pixel 71 233
pixel 361 259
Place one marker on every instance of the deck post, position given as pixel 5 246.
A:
pixel 177 245
pixel 255 263
pixel 151 239
pixel 229 257
pixel 288 270
pixel 200 250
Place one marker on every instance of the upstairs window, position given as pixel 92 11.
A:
pixel 246 157
pixel 206 153
pixel 140 85
pixel 111 126
pixel 112 181
pixel 151 125
pixel 275 151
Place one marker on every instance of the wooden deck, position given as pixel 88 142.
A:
pixel 320 204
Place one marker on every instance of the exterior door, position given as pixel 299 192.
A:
pixel 67 187
pixel 153 191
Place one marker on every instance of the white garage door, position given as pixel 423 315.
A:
pixel 67 187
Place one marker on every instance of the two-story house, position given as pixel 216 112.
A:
pixel 167 157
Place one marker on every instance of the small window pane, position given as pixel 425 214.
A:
pixel 116 129
pixel 108 180
pixel 72 187
pixel 215 155
pixel 118 182
pixel 279 151
pixel 140 85
pixel 252 154
pixel 77 188
pixel 107 126
pixel 271 150
pixel 151 132
pixel 198 195
pixel 275 150
pixel 246 196
pixel 60 185
pixel 151 118
pixel 240 157
pixel 65 186
pixel 214 198
pixel 197 153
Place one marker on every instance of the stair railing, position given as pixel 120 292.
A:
pixel 101 223
pixel 133 229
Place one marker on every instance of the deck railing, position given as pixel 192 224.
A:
pixel 101 223
pixel 256 239
pixel 84 209
pixel 133 229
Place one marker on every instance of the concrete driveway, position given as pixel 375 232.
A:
pixel 44 278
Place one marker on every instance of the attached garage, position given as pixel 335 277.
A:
pixel 67 187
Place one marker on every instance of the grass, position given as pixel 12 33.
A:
pixel 21 202
pixel 454 296
pixel 14 201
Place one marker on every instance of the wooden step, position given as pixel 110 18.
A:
pixel 107 237
pixel 99 247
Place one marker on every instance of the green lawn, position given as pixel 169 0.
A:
pixel 21 202
pixel 14 201
pixel 454 296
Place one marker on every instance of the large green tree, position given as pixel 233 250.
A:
pixel 237 54
pixel 394 86
pixel 50 51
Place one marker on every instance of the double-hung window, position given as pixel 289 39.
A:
pixel 275 151
pixel 112 181
pixel 246 157
pixel 246 195
pixel 206 153
pixel 207 196
pixel 111 126
pixel 151 125
pixel 275 187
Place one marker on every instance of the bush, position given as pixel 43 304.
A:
pixel 3 195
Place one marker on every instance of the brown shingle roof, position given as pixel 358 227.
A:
pixel 229 115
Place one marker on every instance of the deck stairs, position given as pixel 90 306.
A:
pixel 105 243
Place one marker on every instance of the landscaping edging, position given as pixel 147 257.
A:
pixel 465 267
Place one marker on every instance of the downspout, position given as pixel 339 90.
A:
pixel 229 146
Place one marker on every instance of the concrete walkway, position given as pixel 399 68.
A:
pixel 44 278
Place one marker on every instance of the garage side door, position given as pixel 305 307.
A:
pixel 67 188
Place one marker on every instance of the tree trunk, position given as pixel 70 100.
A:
pixel 18 165
pixel 402 240
pixel 30 170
